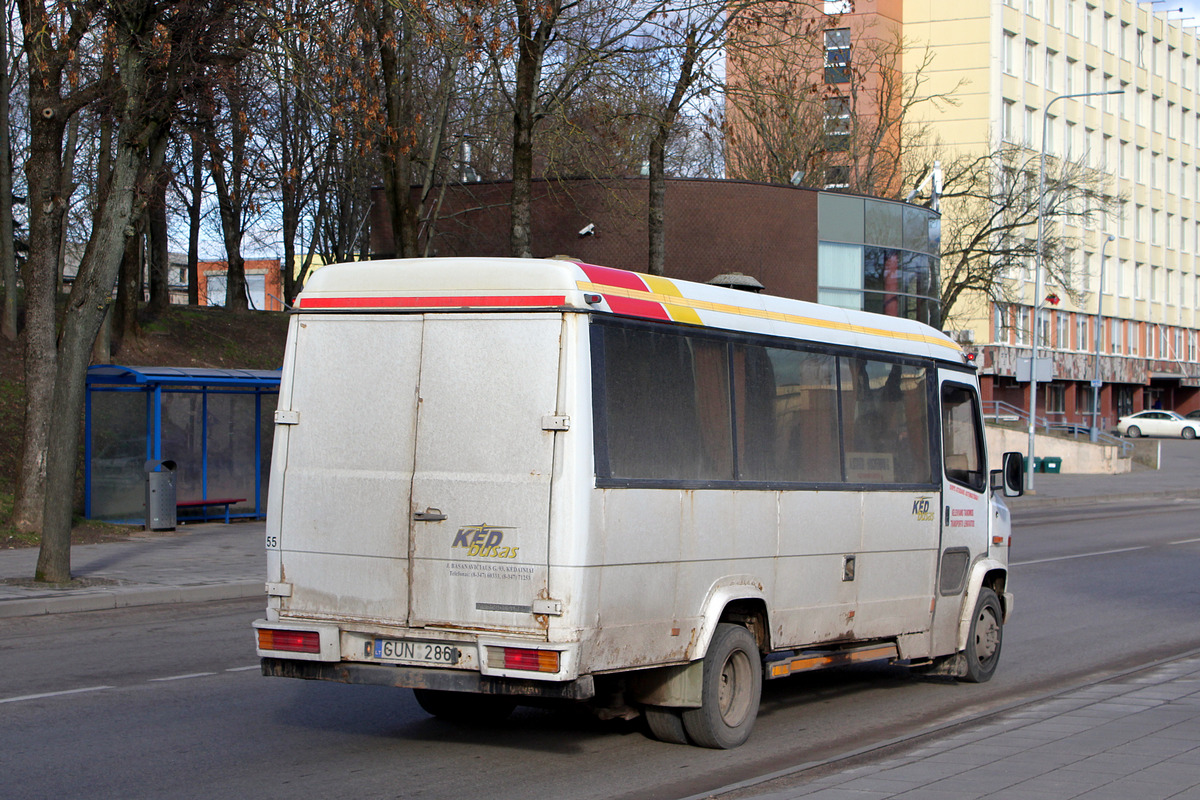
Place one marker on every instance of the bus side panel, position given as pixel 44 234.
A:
pixel 812 602
pixel 897 569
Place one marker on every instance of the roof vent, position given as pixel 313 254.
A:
pixel 737 280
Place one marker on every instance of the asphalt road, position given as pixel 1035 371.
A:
pixel 166 702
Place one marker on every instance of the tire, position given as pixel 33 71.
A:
pixel 1188 433
pixel 731 690
pixel 666 724
pixel 985 638
pixel 1133 431
pixel 465 706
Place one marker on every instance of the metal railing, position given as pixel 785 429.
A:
pixel 999 411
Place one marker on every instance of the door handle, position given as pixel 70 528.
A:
pixel 429 515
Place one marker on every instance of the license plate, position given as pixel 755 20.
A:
pixel 416 652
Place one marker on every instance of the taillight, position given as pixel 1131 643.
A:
pixel 289 641
pixel 523 659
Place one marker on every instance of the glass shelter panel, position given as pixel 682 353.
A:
pixel 119 454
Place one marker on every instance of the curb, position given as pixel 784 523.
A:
pixel 104 600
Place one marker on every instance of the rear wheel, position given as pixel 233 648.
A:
pixel 1189 433
pixel 732 687
pixel 1133 432
pixel 465 706
pixel 985 637
pixel 666 724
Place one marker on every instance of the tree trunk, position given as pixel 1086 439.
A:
pixel 520 202
pixel 534 26
pixel 396 150
pixel 85 313
pixel 656 203
pixel 8 253
pixel 41 275
pixel 194 209
pixel 129 289
pixel 156 218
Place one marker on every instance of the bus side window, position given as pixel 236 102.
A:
pixel 961 441
pixel 885 418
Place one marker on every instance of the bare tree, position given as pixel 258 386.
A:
pixel 989 205
pixel 157 47
pixel 812 102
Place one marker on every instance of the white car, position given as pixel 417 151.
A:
pixel 1158 423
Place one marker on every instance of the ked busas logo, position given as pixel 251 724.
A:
pixel 484 541
pixel 922 510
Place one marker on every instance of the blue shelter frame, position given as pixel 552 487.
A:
pixel 215 424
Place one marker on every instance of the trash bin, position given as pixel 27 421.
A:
pixel 160 495
pixel 1037 464
pixel 1052 464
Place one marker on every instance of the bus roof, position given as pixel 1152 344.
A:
pixel 461 284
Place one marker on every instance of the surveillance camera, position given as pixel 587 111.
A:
pixel 588 230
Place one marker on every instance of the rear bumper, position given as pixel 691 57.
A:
pixel 422 678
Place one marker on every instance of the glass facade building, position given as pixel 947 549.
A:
pixel 879 255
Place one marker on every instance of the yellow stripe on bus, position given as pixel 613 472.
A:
pixel 679 312
pixel 683 304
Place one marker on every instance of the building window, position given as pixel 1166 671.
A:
pixel 1023 326
pixel 1010 134
pixel 1010 56
pixel 1062 332
pixel 1081 331
pixel 837 55
pixel 1031 61
pixel 1000 324
pixel 837 124
pixel 1114 336
pixel 837 177
pixel 1055 398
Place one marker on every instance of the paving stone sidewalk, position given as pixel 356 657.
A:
pixel 195 563
pixel 1136 736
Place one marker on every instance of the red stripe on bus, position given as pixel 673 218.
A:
pixel 619 278
pixel 490 301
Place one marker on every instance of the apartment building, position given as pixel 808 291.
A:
pixel 1016 67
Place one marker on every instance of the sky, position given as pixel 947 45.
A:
pixel 1191 8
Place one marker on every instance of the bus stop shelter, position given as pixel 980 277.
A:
pixel 215 425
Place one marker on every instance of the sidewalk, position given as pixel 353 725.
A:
pixel 206 561
pixel 1136 736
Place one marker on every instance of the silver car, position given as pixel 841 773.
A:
pixel 1157 423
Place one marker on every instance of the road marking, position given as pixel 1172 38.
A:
pixel 244 669
pixel 183 677
pixel 53 694
pixel 1079 555
pixel 1100 553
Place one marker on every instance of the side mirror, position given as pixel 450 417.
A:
pixel 1010 478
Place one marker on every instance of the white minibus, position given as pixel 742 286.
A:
pixel 507 481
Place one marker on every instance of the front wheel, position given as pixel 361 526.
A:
pixel 985 637
pixel 1133 432
pixel 731 690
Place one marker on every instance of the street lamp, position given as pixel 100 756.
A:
pixel 1095 434
pixel 1037 276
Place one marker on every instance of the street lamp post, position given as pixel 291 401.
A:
pixel 1095 435
pixel 1037 277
